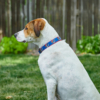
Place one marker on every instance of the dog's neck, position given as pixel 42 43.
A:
pixel 47 34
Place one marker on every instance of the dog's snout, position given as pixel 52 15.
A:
pixel 15 35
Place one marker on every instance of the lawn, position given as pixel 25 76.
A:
pixel 21 79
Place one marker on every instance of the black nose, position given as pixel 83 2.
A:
pixel 15 35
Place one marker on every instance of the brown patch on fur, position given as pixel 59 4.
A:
pixel 34 27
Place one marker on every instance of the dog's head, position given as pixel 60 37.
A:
pixel 31 31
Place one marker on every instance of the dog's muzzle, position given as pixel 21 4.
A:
pixel 18 39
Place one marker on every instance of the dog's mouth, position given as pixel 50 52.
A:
pixel 24 41
pixel 19 40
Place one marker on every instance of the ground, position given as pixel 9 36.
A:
pixel 20 77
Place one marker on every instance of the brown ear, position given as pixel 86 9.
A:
pixel 38 26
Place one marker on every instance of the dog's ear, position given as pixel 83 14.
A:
pixel 38 26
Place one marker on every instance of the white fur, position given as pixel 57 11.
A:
pixel 63 73
pixel 20 37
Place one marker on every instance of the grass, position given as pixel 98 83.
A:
pixel 21 79
pixel 92 65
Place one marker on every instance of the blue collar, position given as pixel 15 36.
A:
pixel 55 40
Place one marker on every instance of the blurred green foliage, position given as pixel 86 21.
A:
pixel 89 44
pixel 11 45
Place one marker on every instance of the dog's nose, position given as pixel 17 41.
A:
pixel 15 35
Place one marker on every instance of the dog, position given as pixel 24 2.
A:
pixel 63 73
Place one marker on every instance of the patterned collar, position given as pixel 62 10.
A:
pixel 55 40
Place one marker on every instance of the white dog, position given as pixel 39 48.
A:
pixel 64 75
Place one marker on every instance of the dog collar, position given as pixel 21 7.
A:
pixel 55 40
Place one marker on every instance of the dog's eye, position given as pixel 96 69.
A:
pixel 26 28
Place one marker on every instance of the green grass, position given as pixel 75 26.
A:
pixel 20 76
pixel 92 65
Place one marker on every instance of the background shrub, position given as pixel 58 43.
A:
pixel 89 44
pixel 11 45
